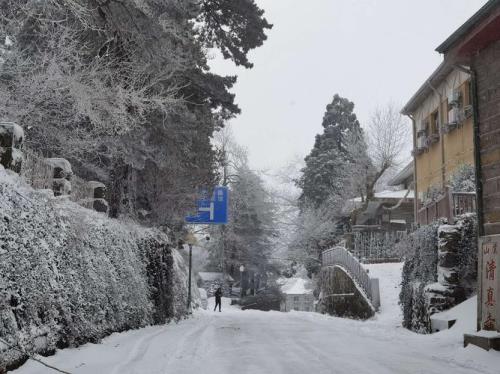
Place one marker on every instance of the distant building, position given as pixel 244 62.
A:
pixel 297 296
pixel 210 281
pixel 387 211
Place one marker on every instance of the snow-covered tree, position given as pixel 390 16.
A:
pixel 247 238
pixel 123 89
pixel 327 166
pixel 463 179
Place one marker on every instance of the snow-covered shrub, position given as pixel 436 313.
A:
pixel 69 275
pixel 467 251
pixel 420 268
pixel 423 291
pixel 463 179
pixel 433 194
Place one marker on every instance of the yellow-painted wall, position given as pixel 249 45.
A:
pixel 458 150
pixel 458 143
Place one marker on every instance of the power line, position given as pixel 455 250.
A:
pixel 32 357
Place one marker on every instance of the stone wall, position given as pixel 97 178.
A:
pixel 341 297
pixel 487 66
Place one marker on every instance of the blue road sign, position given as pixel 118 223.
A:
pixel 213 211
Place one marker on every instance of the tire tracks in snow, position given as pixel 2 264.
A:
pixel 139 349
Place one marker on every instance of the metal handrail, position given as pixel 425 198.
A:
pixel 341 256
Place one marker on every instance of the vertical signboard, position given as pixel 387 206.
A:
pixel 488 300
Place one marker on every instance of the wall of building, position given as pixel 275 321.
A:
pixel 299 302
pixel 458 143
pixel 487 66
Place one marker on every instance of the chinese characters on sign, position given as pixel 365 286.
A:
pixel 489 287
pixel 490 270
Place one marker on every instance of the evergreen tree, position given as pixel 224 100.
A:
pixel 234 26
pixel 327 167
pixel 122 89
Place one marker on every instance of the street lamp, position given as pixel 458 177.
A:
pixel 242 269
pixel 190 240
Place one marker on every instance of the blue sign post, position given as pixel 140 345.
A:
pixel 212 211
pixel 208 212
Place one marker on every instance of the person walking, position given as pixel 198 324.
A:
pixel 218 298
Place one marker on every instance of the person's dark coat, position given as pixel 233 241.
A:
pixel 218 294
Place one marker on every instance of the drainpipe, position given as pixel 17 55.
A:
pixel 477 151
pixel 415 197
pixel 441 137
pixel 479 184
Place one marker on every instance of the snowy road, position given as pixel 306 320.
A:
pixel 243 342
pixel 259 342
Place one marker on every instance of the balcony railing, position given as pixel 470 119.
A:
pixel 449 206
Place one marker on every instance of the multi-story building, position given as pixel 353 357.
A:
pixel 442 116
pixel 456 119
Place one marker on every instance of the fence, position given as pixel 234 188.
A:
pixel 450 205
pixel 341 256
pixel 376 246
pixel 464 202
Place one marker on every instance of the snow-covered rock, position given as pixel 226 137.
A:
pixel 61 166
pixel 11 141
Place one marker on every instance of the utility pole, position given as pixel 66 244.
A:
pixel 190 240
pixel 223 249
pixel 190 270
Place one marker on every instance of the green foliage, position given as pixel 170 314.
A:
pixel 328 166
pixel 123 89
pixel 234 26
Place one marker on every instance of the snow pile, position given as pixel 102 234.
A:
pixel 69 275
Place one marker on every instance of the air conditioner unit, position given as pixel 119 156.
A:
pixel 454 98
pixel 468 111
pixel 421 126
pixel 421 142
pixel 454 116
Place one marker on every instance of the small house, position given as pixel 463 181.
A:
pixel 297 296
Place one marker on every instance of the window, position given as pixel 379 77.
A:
pixel 434 122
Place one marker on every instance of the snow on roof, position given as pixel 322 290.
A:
pixel 296 286
pixel 404 174
pixel 212 276
pixel 390 195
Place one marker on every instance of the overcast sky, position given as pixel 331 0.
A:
pixel 370 51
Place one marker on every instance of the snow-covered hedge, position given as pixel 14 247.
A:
pixel 69 275
pixel 425 290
